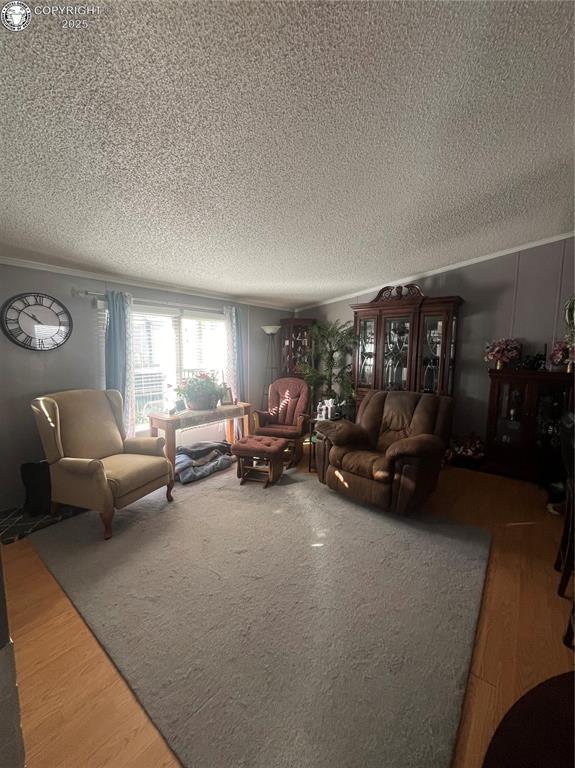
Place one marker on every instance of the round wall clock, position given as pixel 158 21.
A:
pixel 36 321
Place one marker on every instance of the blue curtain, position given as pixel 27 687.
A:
pixel 117 346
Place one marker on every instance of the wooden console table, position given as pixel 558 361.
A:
pixel 187 419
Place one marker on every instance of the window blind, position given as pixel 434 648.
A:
pixel 154 363
pixel 167 348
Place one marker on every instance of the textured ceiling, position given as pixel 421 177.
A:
pixel 287 152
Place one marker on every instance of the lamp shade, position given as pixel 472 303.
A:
pixel 270 330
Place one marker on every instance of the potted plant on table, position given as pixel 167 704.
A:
pixel 201 391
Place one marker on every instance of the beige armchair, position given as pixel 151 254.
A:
pixel 92 463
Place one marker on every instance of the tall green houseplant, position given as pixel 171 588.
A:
pixel 334 344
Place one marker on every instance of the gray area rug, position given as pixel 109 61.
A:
pixel 281 628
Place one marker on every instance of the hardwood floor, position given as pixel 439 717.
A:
pixel 77 711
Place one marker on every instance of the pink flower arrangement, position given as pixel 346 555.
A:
pixel 504 350
pixel 561 353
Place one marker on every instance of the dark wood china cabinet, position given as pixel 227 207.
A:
pixel 406 340
pixel 523 423
pixel 295 344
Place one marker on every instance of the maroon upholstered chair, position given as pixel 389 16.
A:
pixel 287 415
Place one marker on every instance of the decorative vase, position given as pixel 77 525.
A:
pixel 499 365
pixel 206 403
pixel 570 366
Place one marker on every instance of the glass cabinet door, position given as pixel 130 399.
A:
pixel 451 361
pixel 510 412
pixel 432 340
pixel 285 351
pixel 302 347
pixel 396 350
pixel 366 353
pixel 550 404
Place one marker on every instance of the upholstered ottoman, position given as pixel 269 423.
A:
pixel 269 450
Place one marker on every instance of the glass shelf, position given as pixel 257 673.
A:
pixel 396 352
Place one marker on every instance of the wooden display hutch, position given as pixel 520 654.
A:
pixel 523 423
pixel 406 341
pixel 295 344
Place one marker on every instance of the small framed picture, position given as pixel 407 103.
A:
pixel 228 398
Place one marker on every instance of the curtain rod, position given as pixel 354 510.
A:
pixel 155 302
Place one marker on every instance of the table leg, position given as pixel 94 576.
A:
pixel 171 444
pixel 246 420
pixel 230 430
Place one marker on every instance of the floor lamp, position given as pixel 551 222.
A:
pixel 271 372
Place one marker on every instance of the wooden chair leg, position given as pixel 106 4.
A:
pixel 169 487
pixel 107 518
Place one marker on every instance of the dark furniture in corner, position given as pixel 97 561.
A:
pixel 565 556
pixel 406 341
pixel 537 732
pixel 523 423
pixel 391 456
pixel 295 344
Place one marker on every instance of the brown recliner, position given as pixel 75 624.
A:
pixel 392 455
pixel 287 415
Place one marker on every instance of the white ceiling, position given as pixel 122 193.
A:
pixel 287 152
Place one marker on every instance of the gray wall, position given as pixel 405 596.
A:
pixel 79 363
pixel 520 294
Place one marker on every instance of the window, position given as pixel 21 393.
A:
pixel 203 345
pixel 154 361
pixel 168 347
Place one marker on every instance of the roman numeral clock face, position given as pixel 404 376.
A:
pixel 36 321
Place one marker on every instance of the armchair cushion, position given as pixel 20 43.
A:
pixel 418 446
pixel 360 462
pixel 84 423
pixel 127 471
pixel 148 446
pixel 344 432
pixel 288 398
pixel 366 463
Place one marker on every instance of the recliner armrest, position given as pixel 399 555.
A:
pixel 416 446
pixel 302 423
pixel 81 466
pixel 343 432
pixel 260 418
pixel 147 446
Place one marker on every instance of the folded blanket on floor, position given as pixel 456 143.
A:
pixel 188 473
pixel 205 459
pixel 202 448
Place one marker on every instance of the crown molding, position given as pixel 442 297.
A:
pixel 105 277
pixel 437 271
